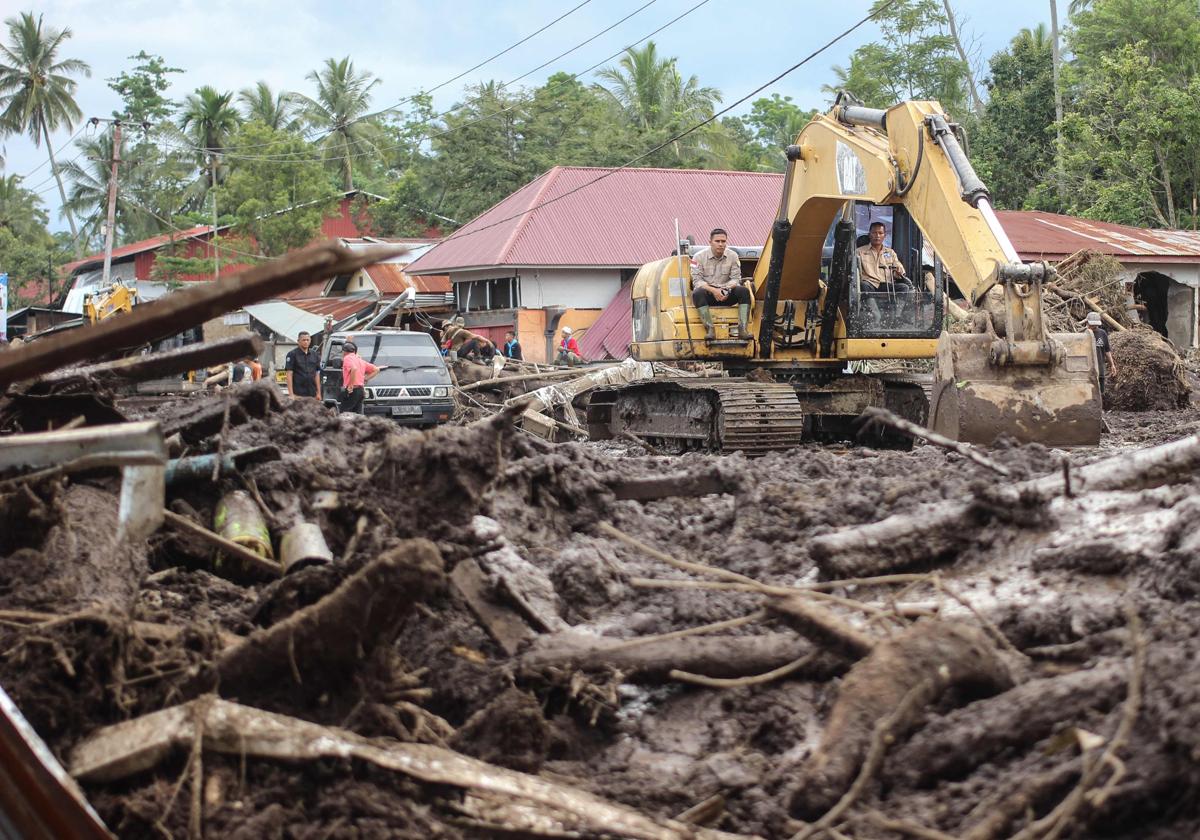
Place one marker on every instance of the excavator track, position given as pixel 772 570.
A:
pixel 715 415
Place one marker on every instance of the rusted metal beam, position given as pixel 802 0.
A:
pixel 180 310
pixel 168 362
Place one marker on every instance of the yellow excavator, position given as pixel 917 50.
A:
pixel 108 301
pixel 812 315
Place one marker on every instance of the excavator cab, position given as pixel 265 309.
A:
pixel 910 307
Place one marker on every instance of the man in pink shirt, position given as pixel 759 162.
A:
pixel 356 372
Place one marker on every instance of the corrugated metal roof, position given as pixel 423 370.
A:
pixel 391 279
pixel 585 216
pixel 285 319
pixel 150 244
pixel 1038 235
pixel 339 307
pixel 610 335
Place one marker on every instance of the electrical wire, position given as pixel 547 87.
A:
pixel 57 151
pixel 462 233
pixel 449 81
pixel 237 155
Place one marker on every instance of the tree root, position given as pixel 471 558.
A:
pixel 330 636
pixel 930 657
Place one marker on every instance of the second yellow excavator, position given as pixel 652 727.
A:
pixel 813 313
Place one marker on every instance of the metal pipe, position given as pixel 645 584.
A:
pixel 858 115
pixel 973 189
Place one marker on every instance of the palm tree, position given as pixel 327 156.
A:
pixel 654 96
pixel 37 95
pixel 21 211
pixel 208 119
pixel 340 109
pixel 1037 40
pixel 88 175
pixel 274 110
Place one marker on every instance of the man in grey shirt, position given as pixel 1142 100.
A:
pixel 717 281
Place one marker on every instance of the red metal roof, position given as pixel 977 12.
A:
pixel 1038 235
pixel 584 216
pixel 151 244
pixel 610 335
pixel 392 279
pixel 338 307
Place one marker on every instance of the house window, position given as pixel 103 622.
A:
pixel 495 293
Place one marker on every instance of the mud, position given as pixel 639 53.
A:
pixel 640 737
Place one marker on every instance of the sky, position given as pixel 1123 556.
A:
pixel 733 45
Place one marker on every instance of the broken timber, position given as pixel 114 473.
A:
pixel 167 363
pixel 187 308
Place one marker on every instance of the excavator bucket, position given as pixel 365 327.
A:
pixel 977 401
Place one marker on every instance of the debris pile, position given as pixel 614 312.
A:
pixel 476 632
pixel 1150 374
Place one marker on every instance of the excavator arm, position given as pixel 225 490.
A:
pixel 1012 376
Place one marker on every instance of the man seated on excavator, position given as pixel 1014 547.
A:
pixel 717 281
pixel 881 272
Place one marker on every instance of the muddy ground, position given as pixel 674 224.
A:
pixel 1020 652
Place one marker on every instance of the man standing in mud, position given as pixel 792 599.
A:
pixel 1103 349
pixel 356 373
pixel 303 366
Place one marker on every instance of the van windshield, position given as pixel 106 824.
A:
pixel 410 361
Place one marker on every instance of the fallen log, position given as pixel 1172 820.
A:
pixel 681 485
pixel 321 643
pixel 953 745
pixel 914 667
pixel 712 656
pixel 939 529
pixel 124 749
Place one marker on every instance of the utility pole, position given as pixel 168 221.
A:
pixel 216 252
pixel 112 197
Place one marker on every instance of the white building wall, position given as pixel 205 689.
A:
pixel 581 288
pixel 574 288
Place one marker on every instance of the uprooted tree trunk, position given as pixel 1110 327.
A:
pixel 315 645
pixel 928 658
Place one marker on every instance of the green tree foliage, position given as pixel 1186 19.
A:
pixel 1013 148
pixel 277 111
pixel 37 93
pixel 657 103
pixel 1130 145
pixel 278 195
pixel 142 90
pixel 27 252
pixel 914 59
pixel 340 109
pixel 208 120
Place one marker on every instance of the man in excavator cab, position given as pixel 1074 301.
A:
pixel 882 277
pixel 717 281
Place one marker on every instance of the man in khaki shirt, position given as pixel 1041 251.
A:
pixel 717 281
pixel 878 268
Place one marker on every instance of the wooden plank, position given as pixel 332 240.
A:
pixel 167 363
pixel 180 310
pixel 504 625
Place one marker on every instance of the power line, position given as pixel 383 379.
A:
pixel 462 234
pixel 441 85
pixel 30 173
pixel 485 117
